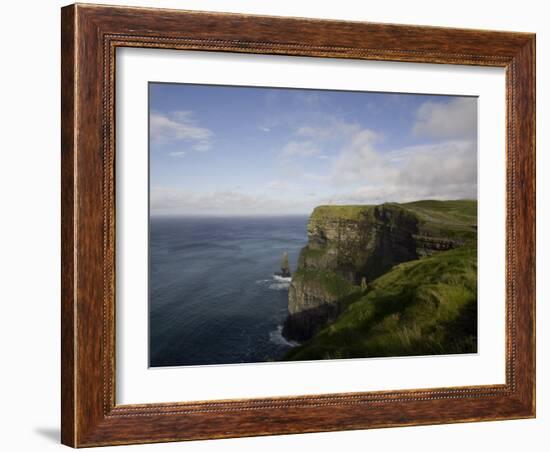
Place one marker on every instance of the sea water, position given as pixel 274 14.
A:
pixel 213 295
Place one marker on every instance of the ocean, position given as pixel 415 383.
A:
pixel 213 298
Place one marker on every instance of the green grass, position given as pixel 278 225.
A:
pixel 451 219
pixel 314 253
pixel 332 283
pixel 455 220
pixel 426 306
pixel 339 212
pixel 461 210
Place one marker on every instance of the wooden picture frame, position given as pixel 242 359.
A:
pixel 90 36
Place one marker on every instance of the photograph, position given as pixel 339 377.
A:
pixel 294 225
pixel 291 224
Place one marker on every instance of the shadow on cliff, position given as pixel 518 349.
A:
pixel 305 324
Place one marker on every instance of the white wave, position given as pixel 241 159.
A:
pixel 279 286
pixel 275 283
pixel 276 336
pixel 281 282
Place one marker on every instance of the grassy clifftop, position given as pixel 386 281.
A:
pixel 352 212
pixel 427 306
pixel 419 263
pixel 451 219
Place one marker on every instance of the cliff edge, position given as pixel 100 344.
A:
pixel 349 247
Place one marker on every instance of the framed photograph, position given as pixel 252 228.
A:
pixel 281 225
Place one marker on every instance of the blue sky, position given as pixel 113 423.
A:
pixel 219 150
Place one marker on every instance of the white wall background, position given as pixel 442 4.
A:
pixel 29 229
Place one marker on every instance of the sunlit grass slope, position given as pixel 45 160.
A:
pixel 422 307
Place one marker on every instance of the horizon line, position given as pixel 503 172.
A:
pixel 293 214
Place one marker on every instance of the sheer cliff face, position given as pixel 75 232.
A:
pixel 348 245
pixel 366 242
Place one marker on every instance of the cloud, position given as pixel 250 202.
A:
pixel 299 149
pixel 444 170
pixel 327 128
pixel 264 129
pixel 222 202
pixel 279 185
pixel 179 126
pixel 359 159
pixel 447 120
pixel 177 154
pixel 318 139
pixel 362 170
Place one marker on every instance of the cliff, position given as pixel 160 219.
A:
pixel 423 307
pixel 350 246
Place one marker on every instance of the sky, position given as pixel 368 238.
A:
pixel 222 150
